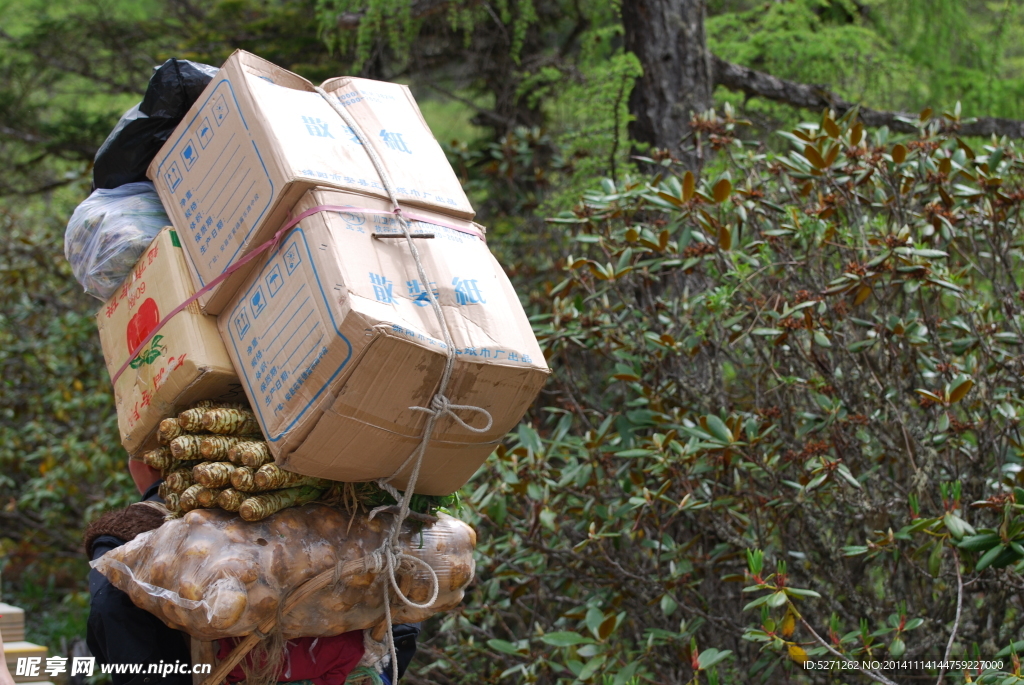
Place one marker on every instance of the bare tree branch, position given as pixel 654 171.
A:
pixel 813 97
pixel 850 663
pixel 956 621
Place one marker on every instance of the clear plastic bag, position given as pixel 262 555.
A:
pixel 214 575
pixel 108 233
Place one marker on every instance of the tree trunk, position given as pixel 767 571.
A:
pixel 667 36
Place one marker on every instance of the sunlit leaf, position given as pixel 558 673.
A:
pixel 689 183
pixel 814 157
pixel 722 190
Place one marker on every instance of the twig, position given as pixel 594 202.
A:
pixel 956 621
pixel 877 677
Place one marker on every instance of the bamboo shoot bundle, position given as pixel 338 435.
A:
pixel 178 481
pixel 261 506
pixel 214 575
pixel 169 429
pixel 230 421
pixel 242 479
pixel 215 474
pixel 230 499
pixel 191 420
pixel 186 447
pixel 273 477
pixel 160 459
pixel 216 447
pixel 251 453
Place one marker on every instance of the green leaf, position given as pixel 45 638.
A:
pixel 565 639
pixel 988 557
pixel 668 605
pixel 767 331
pixel 822 339
pixel 719 429
pixel 935 560
pixel 626 674
pixel 591 667
pixel 635 453
pixel 844 471
pixel 711 656
pixel 759 601
pixel 504 647
pixel 977 543
pixel 954 524
pixel 800 592
pixel 897 647
pixel 1017 647
pixel 861 345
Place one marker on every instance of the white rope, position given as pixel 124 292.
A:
pixel 386 557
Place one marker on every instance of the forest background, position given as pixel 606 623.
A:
pixel 784 409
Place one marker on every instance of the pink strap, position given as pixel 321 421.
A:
pixel 267 246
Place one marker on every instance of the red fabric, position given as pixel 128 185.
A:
pixel 324 660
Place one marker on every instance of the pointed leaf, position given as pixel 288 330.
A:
pixel 565 639
pixel 814 157
pixel 592 666
pixel 503 646
pixel 960 389
pixel 722 190
pixel 988 557
pixel 719 429
pixel 689 182
pixel 725 238
pixel 710 657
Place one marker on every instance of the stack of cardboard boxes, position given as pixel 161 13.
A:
pixel 12 630
pixel 330 334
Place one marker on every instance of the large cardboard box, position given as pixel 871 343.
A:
pixel 260 136
pixel 336 343
pixel 184 362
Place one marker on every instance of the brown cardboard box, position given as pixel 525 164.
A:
pixel 12 623
pixel 185 361
pixel 335 342
pixel 260 136
pixel 25 650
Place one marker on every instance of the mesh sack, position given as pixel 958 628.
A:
pixel 213 575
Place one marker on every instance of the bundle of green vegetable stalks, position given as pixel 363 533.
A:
pixel 213 456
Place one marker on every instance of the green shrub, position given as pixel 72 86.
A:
pixel 783 422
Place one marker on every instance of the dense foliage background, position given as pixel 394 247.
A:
pixel 784 412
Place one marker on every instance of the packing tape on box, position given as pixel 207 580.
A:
pixel 270 244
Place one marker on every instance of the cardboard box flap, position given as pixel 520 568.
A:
pixel 268 71
pixel 259 137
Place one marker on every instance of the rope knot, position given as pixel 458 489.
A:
pixel 441 406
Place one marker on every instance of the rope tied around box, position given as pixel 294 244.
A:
pixel 386 557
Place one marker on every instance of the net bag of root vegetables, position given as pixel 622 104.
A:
pixel 213 575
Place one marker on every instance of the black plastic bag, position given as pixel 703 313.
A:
pixel 142 131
